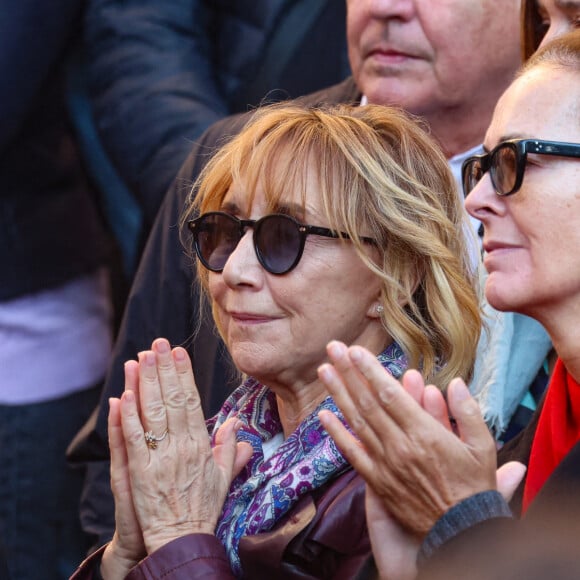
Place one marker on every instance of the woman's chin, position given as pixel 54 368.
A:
pixel 252 363
pixel 497 294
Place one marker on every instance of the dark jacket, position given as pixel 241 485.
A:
pixel 164 302
pixel 162 71
pixel 50 227
pixel 323 536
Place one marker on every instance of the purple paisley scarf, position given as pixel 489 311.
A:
pixel 268 488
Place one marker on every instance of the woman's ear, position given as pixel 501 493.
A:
pixel 375 310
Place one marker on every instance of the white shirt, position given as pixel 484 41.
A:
pixel 56 342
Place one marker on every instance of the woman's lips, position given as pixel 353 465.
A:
pixel 496 251
pixel 250 318
pixel 496 246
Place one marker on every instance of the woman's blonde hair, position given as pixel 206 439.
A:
pixel 380 176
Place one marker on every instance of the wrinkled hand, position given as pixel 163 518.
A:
pixel 394 549
pixel 126 548
pixel 410 458
pixel 179 487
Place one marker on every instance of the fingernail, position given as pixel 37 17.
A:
pixel 323 418
pixel 336 349
pixel 355 354
pixel 179 353
pixel 460 391
pixel 161 345
pixel 146 357
pixel 324 372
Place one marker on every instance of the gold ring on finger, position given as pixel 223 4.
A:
pixel 152 440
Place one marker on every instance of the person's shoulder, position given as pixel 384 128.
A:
pixel 223 130
pixel 344 92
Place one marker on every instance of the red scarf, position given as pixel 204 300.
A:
pixel 557 432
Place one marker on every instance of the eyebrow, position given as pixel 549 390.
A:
pixel 230 207
pixel 509 137
pixel 289 208
pixel 286 208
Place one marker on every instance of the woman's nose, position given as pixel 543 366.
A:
pixel 242 265
pixel 483 200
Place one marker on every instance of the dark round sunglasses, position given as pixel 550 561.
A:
pixel 507 161
pixel 278 239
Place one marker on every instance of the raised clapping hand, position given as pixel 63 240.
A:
pixel 174 483
pixel 415 466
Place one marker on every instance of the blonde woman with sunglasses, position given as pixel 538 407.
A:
pixel 309 225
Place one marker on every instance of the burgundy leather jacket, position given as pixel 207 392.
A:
pixel 323 536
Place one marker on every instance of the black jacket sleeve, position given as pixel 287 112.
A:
pixel 152 81
pixel 33 36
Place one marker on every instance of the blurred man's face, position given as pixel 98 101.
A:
pixel 431 56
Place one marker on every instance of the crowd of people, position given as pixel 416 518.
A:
pixel 351 305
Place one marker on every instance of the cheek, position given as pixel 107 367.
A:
pixel 326 288
pixel 356 24
pixel 355 15
pixel 354 53
pixel 215 285
pixel 216 289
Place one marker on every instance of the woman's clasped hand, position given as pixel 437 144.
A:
pixel 364 392
pixel 173 482
pixel 426 460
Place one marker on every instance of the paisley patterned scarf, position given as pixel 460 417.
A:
pixel 266 489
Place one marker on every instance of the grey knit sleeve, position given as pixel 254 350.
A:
pixel 466 514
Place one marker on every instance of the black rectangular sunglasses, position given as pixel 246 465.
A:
pixel 506 163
